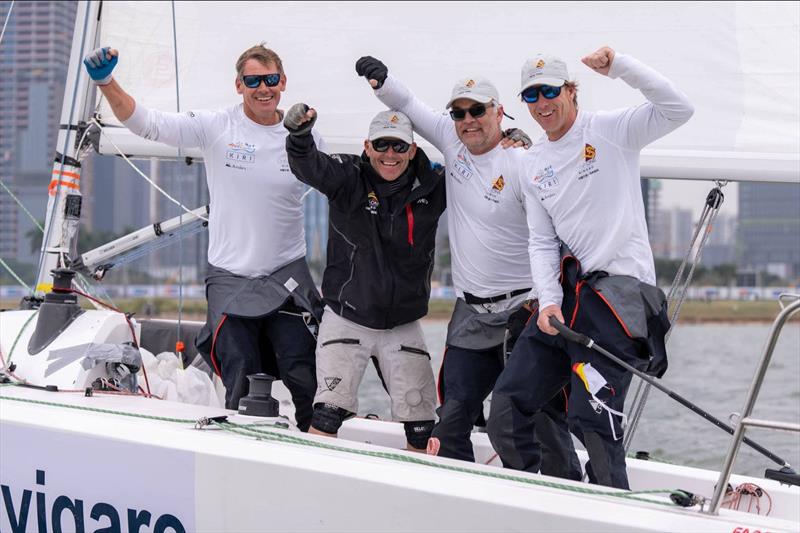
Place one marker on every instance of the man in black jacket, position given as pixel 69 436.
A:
pixel 384 210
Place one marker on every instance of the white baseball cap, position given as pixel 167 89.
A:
pixel 478 89
pixel 544 69
pixel 392 124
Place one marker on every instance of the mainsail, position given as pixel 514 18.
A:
pixel 739 62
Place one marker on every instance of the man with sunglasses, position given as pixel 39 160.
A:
pixel 261 298
pixel 489 253
pixel 384 210
pixel 591 261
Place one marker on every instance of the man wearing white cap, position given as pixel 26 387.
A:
pixel 384 210
pixel 591 261
pixel 489 257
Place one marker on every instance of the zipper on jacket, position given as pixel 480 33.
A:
pixel 352 268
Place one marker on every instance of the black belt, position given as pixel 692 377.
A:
pixel 470 299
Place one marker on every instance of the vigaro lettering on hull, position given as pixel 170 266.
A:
pixel 106 516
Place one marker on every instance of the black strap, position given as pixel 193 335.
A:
pixel 471 299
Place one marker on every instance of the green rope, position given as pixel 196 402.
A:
pixel 255 431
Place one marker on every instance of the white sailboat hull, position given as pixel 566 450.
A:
pixel 106 460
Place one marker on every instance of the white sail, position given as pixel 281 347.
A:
pixel 738 62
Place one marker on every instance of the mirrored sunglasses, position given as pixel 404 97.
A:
pixel 531 94
pixel 252 81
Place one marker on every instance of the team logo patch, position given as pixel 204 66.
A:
pixel 239 154
pixel 540 63
pixel 499 183
pixel 332 382
pixel 470 83
pixel 588 152
pixel 546 178
pixel 394 119
pixel 372 203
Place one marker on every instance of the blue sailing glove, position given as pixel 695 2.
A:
pixel 99 66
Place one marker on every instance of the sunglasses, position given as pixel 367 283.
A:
pixel 531 94
pixel 382 145
pixel 476 111
pixel 252 81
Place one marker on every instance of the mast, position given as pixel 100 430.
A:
pixel 64 195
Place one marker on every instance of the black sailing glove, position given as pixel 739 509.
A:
pixel 372 69
pixel 517 135
pixel 297 121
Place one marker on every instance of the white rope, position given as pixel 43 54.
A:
pixel 142 174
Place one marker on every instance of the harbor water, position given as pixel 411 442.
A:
pixel 712 366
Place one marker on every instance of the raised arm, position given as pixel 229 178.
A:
pixel 666 108
pixel 99 64
pixel 185 130
pixel 334 176
pixel 435 127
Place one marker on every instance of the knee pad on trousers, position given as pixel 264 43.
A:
pixel 328 418
pixel 418 433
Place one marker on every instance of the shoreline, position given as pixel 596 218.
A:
pixel 692 311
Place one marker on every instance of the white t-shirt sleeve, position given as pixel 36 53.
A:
pixel 184 130
pixel 633 128
pixel 436 127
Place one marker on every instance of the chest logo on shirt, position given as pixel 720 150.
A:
pixel 587 168
pixel 240 155
pixel 546 179
pixel 462 167
pixel 493 193
pixel 283 163
pixel 499 183
pixel 372 203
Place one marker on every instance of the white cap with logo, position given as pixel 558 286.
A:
pixel 391 124
pixel 544 69
pixel 478 89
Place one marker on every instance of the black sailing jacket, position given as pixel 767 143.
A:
pixel 379 266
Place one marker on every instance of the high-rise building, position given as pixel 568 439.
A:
pixel 34 57
pixel 769 228
pixel 315 210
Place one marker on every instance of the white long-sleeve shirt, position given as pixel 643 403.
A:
pixel 485 204
pixel 585 190
pixel 256 219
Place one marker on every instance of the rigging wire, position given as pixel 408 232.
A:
pixel 8 17
pixel 180 183
pixel 143 175
pixel 14 275
pixel 22 206
pixel 677 293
